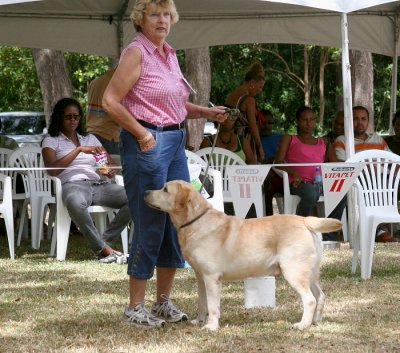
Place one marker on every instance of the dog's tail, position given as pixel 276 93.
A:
pixel 322 225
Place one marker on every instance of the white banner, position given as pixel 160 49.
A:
pixel 337 180
pixel 245 185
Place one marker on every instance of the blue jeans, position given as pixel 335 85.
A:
pixel 79 195
pixel 155 242
pixel 309 195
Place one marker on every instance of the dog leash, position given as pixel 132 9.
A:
pixel 233 114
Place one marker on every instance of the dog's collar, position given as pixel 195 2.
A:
pixel 195 219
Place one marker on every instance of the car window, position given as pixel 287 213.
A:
pixel 23 125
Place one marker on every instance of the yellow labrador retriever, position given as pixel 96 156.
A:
pixel 221 247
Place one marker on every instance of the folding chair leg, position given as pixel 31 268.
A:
pixel 9 222
pixel 124 239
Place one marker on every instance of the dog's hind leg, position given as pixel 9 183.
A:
pixel 201 302
pixel 320 297
pixel 300 281
pixel 213 289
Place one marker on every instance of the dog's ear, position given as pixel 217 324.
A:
pixel 182 197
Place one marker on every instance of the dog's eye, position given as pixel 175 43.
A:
pixel 165 189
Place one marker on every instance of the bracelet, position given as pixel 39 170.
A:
pixel 145 139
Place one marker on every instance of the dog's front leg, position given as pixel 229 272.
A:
pixel 213 292
pixel 201 301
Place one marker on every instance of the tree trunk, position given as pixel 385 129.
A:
pixel 324 55
pixel 198 73
pixel 362 81
pixel 53 77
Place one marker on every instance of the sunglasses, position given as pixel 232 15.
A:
pixel 72 117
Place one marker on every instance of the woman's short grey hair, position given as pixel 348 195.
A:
pixel 141 6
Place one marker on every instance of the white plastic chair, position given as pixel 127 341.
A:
pixel 20 199
pixel 59 242
pixel 193 158
pixel 30 160
pixel 291 201
pixel 6 208
pixel 376 187
pixel 219 159
pixel 217 200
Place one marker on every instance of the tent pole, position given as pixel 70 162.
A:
pixel 393 93
pixel 348 121
pixel 120 26
pixel 347 97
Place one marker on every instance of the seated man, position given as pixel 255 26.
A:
pixel 364 140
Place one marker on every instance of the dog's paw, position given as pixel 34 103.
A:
pixel 300 326
pixel 195 322
pixel 211 327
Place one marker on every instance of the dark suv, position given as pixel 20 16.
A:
pixel 27 128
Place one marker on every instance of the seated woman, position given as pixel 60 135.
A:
pixel 68 147
pixel 228 139
pixel 304 148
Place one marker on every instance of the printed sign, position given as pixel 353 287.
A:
pixel 245 185
pixel 337 180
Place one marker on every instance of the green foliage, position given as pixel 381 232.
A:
pixel 284 65
pixel 282 94
pixel 83 69
pixel 19 86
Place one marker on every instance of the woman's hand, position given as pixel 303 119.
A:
pixel 109 173
pixel 217 113
pixel 91 149
pixel 147 142
pixel 297 179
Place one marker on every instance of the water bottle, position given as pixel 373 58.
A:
pixel 318 179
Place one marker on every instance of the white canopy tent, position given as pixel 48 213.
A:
pixel 103 27
pixel 8 2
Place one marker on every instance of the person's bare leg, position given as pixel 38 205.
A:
pixel 137 290
pixel 165 279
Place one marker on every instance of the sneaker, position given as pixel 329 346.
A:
pixel 168 311
pixel 110 258
pixel 123 259
pixel 141 317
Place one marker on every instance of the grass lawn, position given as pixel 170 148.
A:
pixel 76 306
